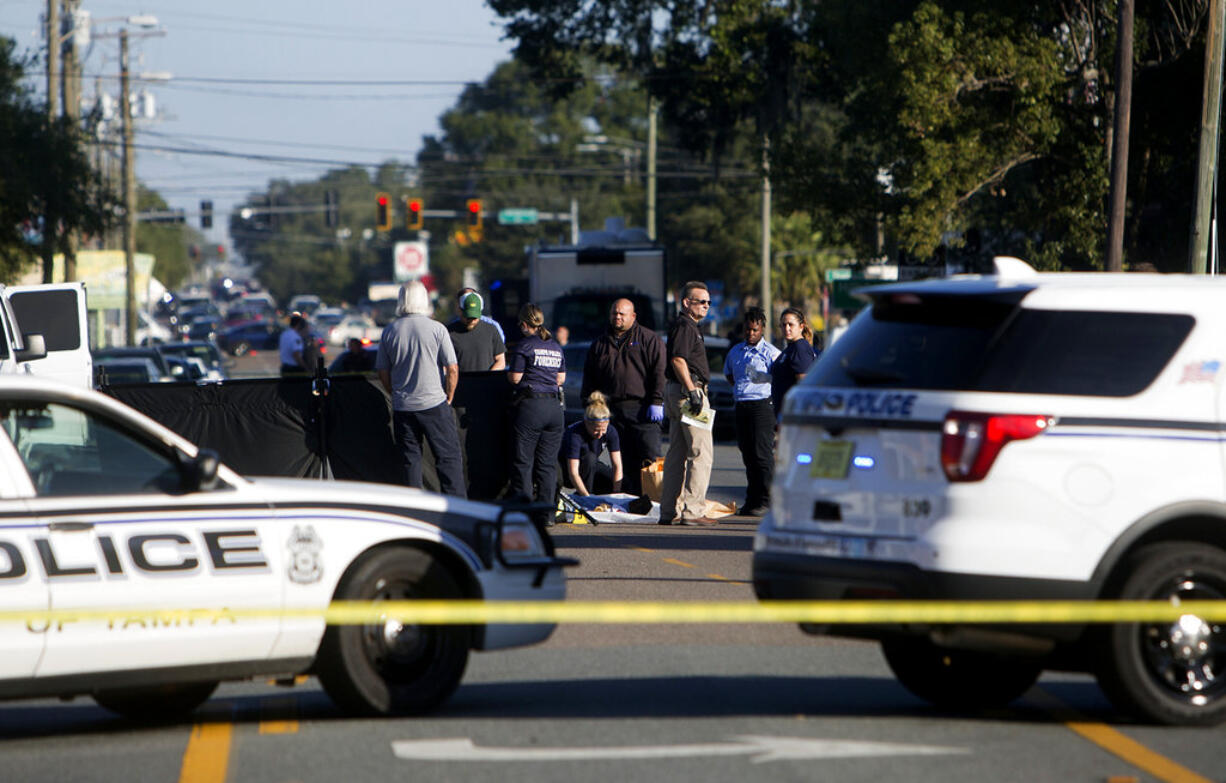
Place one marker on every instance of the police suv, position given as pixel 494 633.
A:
pixel 107 519
pixel 1019 436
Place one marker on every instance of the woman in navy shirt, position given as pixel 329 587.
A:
pixel 585 440
pixel 791 365
pixel 537 370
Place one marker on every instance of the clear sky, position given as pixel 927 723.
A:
pixel 234 65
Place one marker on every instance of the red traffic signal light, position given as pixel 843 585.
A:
pixel 474 213
pixel 412 214
pixel 383 212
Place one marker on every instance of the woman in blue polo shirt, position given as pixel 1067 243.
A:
pixel 583 443
pixel 537 370
pixel 748 368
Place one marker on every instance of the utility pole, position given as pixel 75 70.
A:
pixel 53 58
pixel 1210 129
pixel 50 218
pixel 766 230
pixel 72 110
pixel 129 195
pixel 1119 147
pixel 653 114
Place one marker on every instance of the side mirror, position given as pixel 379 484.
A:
pixel 36 348
pixel 200 472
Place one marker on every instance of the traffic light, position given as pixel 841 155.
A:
pixel 474 213
pixel 383 212
pixel 412 214
pixel 206 214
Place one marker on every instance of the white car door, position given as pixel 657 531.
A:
pixel 122 537
pixel 21 587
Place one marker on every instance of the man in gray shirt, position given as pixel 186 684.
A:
pixel 415 354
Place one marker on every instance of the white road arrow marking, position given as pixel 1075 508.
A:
pixel 759 748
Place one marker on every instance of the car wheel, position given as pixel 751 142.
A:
pixel 155 701
pixel 241 348
pixel 1171 672
pixel 959 679
pixel 386 667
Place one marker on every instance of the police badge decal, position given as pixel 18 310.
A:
pixel 304 547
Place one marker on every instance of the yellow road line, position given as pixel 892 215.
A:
pixel 675 561
pixel 1135 753
pixel 208 753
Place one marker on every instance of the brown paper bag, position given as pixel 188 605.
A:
pixel 716 509
pixel 652 478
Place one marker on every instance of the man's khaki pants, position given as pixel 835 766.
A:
pixel 687 464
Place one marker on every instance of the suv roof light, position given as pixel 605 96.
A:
pixel 970 442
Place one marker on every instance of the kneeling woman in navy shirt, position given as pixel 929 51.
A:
pixel 537 370
pixel 583 443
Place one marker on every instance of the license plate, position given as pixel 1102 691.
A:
pixel 831 460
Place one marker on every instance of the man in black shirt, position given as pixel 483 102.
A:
pixel 626 364
pixel 478 344
pixel 691 452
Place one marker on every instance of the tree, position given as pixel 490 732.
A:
pixel 43 171
pixel 901 124
pixel 167 243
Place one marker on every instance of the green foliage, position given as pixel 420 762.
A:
pixel 43 171
pixel 166 242
pixel 899 125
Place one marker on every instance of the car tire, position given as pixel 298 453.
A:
pixel 241 348
pixel 385 668
pixel 959 679
pixel 1171 673
pixel 155 702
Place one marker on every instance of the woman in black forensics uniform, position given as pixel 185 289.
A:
pixel 537 370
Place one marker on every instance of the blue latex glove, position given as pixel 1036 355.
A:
pixel 656 413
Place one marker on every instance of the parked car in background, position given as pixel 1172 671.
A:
pixel 251 307
pixel 241 339
pixel 204 351
pixel 150 332
pixel 356 325
pixel 146 352
pixel 325 319
pixel 202 329
pixel 122 370
pixel 305 304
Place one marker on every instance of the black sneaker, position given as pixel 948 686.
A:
pixel 754 511
pixel 664 521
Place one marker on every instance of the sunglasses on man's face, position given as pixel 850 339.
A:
pixel 705 302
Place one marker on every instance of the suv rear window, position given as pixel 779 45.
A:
pixel 960 344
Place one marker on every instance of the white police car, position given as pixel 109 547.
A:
pixel 1019 436
pixel 103 510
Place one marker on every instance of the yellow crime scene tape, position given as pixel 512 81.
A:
pixel 471 612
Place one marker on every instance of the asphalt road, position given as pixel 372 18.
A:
pixel 613 702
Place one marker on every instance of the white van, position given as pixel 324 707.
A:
pixel 43 331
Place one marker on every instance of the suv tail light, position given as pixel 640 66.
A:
pixel 971 441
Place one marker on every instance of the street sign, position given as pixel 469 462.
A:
pixel 410 261
pixel 518 216
pixel 840 273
